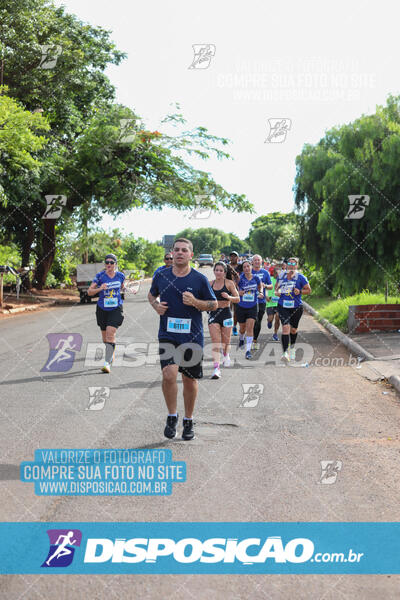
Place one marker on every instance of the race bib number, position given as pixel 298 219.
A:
pixel 110 302
pixel 228 322
pixel 288 304
pixel 178 325
pixel 274 298
pixel 248 297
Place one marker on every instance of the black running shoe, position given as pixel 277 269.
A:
pixel 170 428
pixel 188 431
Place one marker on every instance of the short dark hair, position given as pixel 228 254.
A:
pixel 185 241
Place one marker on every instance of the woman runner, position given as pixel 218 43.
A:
pixel 220 321
pixel 289 287
pixel 249 287
pixel 109 313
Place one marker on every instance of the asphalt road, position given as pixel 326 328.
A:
pixel 254 459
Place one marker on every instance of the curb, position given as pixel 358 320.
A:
pixel 342 337
pixel 28 307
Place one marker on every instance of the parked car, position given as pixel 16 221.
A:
pixel 205 259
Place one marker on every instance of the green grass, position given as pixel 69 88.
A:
pixel 337 311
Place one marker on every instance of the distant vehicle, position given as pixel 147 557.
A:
pixel 205 259
pixel 84 277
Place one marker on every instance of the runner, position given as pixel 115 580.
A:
pixel 249 284
pixel 290 287
pixel 184 293
pixel 272 307
pixel 109 312
pixel 168 263
pixel 238 269
pixel 220 321
pixel 265 281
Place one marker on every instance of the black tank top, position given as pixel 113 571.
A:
pixel 218 293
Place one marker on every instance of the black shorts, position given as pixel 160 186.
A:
pixel 219 316
pixel 109 318
pixel 246 313
pixel 189 357
pixel 290 315
pixel 271 310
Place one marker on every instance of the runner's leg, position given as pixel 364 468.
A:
pixel 215 334
pixel 190 389
pixel 258 321
pixel 170 387
pixel 226 341
pixel 110 343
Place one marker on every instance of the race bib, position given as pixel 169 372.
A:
pixel 227 322
pixel 288 304
pixel 175 325
pixel 274 298
pixel 248 297
pixel 110 302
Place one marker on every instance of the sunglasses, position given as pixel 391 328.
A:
pixel 292 264
pixel 167 257
pixel 109 262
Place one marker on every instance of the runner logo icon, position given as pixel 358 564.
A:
pixel 61 551
pixel 251 394
pixel 329 471
pixel 357 206
pixel 62 351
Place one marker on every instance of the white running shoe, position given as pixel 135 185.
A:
pixel 227 361
pixel 285 356
pixel 292 353
pixel 106 367
pixel 216 374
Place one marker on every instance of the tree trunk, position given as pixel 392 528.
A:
pixel 26 255
pixel 46 256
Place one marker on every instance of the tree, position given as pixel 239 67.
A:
pixel 273 233
pixel 358 159
pixel 85 159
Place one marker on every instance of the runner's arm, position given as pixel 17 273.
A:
pixel 234 295
pixel 205 304
pixel 93 289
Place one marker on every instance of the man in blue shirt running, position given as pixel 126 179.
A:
pixel 183 294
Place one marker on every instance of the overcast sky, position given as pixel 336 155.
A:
pixel 313 63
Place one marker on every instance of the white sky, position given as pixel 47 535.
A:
pixel 318 64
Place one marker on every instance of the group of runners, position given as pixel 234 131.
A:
pixel 240 294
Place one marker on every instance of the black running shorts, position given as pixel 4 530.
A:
pixel 109 318
pixel 219 316
pixel 189 357
pixel 246 313
pixel 290 316
pixel 271 310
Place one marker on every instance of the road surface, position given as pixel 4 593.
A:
pixel 257 460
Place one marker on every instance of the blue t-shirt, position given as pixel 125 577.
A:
pixel 288 298
pixel 263 277
pixel 159 269
pixel 111 297
pixel 181 323
pixel 250 286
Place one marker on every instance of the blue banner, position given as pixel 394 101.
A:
pixel 213 548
